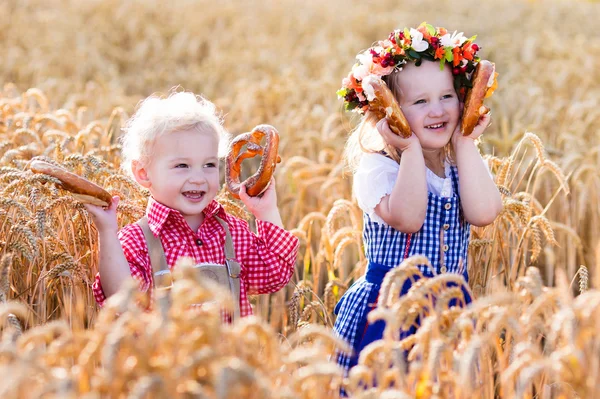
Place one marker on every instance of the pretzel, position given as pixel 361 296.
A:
pixel 259 181
pixel 484 83
pixel 83 190
pixel 383 104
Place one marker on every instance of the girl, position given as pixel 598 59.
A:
pixel 409 188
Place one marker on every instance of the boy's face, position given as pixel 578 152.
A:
pixel 429 102
pixel 183 172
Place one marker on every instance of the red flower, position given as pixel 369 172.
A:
pixel 439 53
pixel 469 50
pixel 458 57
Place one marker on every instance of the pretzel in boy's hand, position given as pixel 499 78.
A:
pixel 258 182
pixel 83 190
pixel 383 104
pixel 484 83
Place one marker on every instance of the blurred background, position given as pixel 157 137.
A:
pixel 72 72
pixel 281 63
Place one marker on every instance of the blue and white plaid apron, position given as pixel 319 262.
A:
pixel 444 239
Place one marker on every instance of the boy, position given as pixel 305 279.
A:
pixel 172 147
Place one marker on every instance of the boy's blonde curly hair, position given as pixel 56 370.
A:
pixel 158 115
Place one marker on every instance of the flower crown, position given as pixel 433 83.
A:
pixel 424 43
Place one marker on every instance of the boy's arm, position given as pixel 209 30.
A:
pixel 121 254
pixel 131 244
pixel 113 266
pixel 270 257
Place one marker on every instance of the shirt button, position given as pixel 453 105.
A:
pixel 443 269
pixel 445 247
pixel 448 206
pixel 446 226
pixel 198 242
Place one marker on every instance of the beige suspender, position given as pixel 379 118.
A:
pixel 226 275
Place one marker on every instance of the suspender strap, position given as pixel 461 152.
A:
pixel 160 268
pixel 233 267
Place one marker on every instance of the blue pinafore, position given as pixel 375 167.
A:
pixel 444 239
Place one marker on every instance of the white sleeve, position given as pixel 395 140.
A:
pixel 373 180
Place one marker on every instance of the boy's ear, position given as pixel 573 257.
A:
pixel 140 173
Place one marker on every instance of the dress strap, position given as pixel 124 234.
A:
pixel 454 176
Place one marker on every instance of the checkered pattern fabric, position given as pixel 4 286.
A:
pixel 444 239
pixel 267 258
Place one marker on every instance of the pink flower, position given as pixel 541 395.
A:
pixel 367 67
pixel 351 83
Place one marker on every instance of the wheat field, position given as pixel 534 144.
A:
pixel 72 73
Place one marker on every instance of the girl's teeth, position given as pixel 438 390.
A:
pixel 435 126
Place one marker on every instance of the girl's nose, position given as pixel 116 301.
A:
pixel 436 109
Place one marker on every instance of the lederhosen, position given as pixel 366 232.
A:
pixel 226 275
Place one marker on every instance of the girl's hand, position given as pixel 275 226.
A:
pixel 484 121
pixel 395 140
pixel 105 219
pixel 263 207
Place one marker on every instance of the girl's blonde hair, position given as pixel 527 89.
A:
pixel 366 139
pixel 158 115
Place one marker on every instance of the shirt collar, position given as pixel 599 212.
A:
pixel 158 214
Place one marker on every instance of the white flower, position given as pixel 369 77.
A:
pixel 454 40
pixel 360 71
pixel 367 85
pixel 418 44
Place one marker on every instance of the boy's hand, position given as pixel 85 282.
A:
pixel 105 219
pixel 395 140
pixel 263 207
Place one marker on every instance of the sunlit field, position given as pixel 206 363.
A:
pixel 71 73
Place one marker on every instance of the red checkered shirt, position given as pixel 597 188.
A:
pixel 267 258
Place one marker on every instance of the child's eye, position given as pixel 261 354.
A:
pixel 210 165
pixel 448 96
pixel 181 165
pixel 420 102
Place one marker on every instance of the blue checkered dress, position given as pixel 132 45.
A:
pixel 444 239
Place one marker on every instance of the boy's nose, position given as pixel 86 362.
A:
pixel 197 178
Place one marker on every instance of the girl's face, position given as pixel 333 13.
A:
pixel 429 102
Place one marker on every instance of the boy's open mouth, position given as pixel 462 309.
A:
pixel 194 194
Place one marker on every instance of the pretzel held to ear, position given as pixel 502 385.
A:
pixel 383 104
pixel 484 83
pixel 258 182
pixel 83 190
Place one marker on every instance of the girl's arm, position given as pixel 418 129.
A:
pixel 479 195
pixel 405 208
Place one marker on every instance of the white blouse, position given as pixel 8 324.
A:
pixel 376 176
